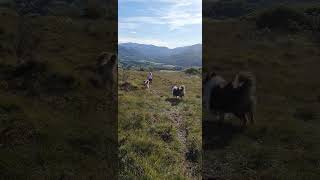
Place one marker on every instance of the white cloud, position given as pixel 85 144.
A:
pixel 160 1
pixel 176 14
pixel 142 20
pixel 183 13
pixel 127 25
pixel 159 17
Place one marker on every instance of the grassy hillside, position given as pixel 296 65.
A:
pixel 159 136
pixel 54 121
pixel 226 9
pixel 285 142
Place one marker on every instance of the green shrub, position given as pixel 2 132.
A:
pixel 282 18
pixel 230 8
pixel 314 11
pixel 95 9
pixel 305 114
pixel 141 69
pixel 192 71
pixel 193 153
pixel 127 86
pixel 313 15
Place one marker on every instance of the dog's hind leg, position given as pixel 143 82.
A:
pixel 243 120
pixel 251 117
pixel 240 116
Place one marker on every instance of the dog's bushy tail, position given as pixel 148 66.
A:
pixel 183 87
pixel 249 76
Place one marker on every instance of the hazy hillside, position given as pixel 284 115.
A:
pixel 130 54
pixel 150 51
pixel 182 56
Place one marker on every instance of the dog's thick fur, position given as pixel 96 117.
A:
pixel 237 96
pixel 107 68
pixel 178 91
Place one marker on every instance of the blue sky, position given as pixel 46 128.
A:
pixel 170 23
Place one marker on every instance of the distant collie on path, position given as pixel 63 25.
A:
pixel 146 83
pixel 178 91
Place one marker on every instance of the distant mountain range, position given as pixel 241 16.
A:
pixel 186 56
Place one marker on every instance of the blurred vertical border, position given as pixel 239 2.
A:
pixel 58 89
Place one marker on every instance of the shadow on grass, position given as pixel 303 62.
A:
pixel 217 135
pixel 174 101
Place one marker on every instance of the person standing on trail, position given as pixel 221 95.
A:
pixel 150 77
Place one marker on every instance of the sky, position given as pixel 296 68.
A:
pixel 169 23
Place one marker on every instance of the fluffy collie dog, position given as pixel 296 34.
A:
pixel 178 91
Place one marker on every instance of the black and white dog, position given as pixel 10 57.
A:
pixel 147 83
pixel 178 91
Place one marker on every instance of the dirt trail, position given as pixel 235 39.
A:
pixel 182 134
pixel 178 123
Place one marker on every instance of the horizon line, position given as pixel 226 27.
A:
pixel 158 45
